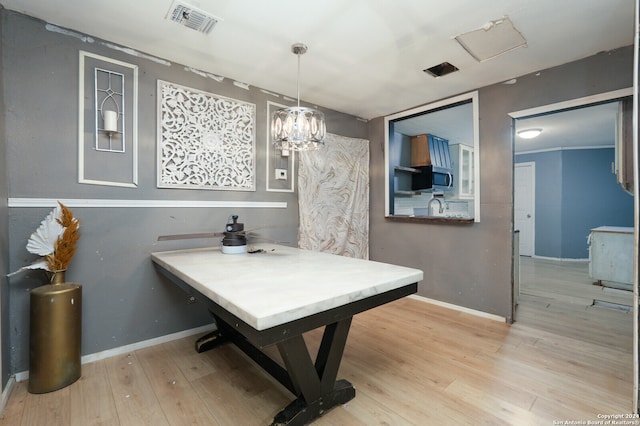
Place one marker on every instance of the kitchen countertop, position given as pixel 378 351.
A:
pixel 429 219
pixel 614 229
pixel 282 284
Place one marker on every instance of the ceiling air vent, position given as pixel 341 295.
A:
pixel 441 69
pixel 191 17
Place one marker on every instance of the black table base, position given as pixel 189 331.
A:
pixel 314 384
pixel 301 413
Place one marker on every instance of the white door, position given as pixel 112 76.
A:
pixel 524 205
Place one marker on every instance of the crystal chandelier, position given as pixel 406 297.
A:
pixel 298 128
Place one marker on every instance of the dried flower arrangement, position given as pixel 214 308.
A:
pixel 55 240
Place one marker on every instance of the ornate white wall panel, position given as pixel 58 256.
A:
pixel 205 141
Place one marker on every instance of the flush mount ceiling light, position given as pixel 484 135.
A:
pixel 298 128
pixel 529 133
pixel 493 39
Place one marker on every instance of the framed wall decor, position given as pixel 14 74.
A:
pixel 280 165
pixel 204 141
pixel 107 121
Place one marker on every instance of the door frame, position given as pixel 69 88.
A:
pixel 592 99
pixel 636 207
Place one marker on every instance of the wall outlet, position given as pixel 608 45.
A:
pixel 281 174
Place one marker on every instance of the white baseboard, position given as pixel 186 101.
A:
pixel 24 375
pixel 459 308
pixel 560 259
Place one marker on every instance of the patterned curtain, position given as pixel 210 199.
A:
pixel 333 197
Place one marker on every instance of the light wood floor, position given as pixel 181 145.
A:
pixel 559 297
pixel 412 363
pixel 566 281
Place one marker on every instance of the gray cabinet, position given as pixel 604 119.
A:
pixel 611 256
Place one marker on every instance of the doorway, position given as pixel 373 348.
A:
pixel 566 184
pixel 565 189
pixel 566 302
pixel 566 181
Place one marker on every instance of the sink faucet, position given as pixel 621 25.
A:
pixel 441 209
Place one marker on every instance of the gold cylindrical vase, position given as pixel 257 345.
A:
pixel 55 335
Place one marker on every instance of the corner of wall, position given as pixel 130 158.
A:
pixel 4 219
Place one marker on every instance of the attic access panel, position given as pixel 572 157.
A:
pixel 493 39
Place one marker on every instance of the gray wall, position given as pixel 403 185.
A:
pixel 471 265
pixel 124 298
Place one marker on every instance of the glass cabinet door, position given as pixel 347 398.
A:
pixel 466 172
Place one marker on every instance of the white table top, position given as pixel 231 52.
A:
pixel 282 284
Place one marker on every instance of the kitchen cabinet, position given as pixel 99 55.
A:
pixel 463 170
pixel 611 256
pixel 402 181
